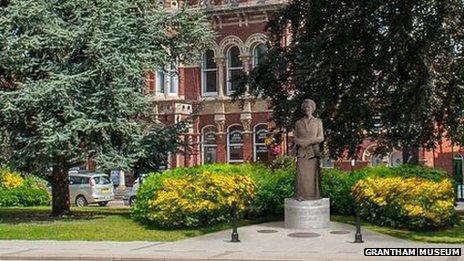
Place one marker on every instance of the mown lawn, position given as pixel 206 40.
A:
pixel 89 223
pixel 453 235
pixel 92 223
pixel 114 224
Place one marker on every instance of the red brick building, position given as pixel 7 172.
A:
pixel 223 131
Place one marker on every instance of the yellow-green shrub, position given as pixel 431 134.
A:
pixel 172 199
pixel 17 190
pixel 10 180
pixel 399 202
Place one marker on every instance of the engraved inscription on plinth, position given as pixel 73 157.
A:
pixel 307 213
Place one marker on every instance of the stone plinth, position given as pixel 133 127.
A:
pixel 307 213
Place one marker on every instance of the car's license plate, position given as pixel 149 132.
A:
pixel 105 190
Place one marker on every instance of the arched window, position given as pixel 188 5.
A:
pixel 378 160
pixel 234 68
pixel 259 53
pixel 396 158
pixel 208 145
pixel 209 74
pixel 235 143
pixel 260 149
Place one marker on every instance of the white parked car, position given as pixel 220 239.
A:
pixel 90 188
pixel 130 195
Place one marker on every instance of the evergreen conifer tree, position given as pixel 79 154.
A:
pixel 77 69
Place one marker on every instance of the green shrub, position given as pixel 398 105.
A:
pixel 336 185
pixel 195 196
pixel 22 191
pixel 284 162
pixel 411 202
pixel 273 185
pixel 272 189
pixel 406 170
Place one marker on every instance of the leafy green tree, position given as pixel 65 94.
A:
pixel 397 60
pixel 79 77
pixel 157 142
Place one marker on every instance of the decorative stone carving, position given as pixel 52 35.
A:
pixel 246 122
pixel 220 126
pixel 229 41
pixel 255 39
pixel 220 61
pixel 246 59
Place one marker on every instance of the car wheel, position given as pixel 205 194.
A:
pixel 103 203
pixel 81 201
pixel 132 201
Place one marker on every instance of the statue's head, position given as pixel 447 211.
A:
pixel 308 106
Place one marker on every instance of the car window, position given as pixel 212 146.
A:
pixel 83 180
pixel 104 181
pixel 101 180
pixel 72 180
pixel 78 180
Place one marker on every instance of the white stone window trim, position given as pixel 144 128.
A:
pixel 203 145
pixel 204 71
pixel 255 158
pixel 229 69
pixel 167 84
pixel 234 144
pixel 172 81
pixel 158 92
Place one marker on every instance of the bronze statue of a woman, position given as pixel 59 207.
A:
pixel 308 134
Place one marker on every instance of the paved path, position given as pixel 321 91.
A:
pixel 216 246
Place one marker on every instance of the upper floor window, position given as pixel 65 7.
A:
pixel 259 53
pixel 209 74
pixel 160 82
pixel 174 80
pixel 234 68
pixel 167 81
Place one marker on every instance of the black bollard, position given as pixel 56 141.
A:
pixel 358 236
pixel 233 213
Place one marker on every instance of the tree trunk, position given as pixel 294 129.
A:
pixel 411 154
pixel 60 191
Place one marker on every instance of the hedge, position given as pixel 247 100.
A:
pixel 406 202
pixel 187 197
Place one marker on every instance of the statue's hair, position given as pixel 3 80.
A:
pixel 310 103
